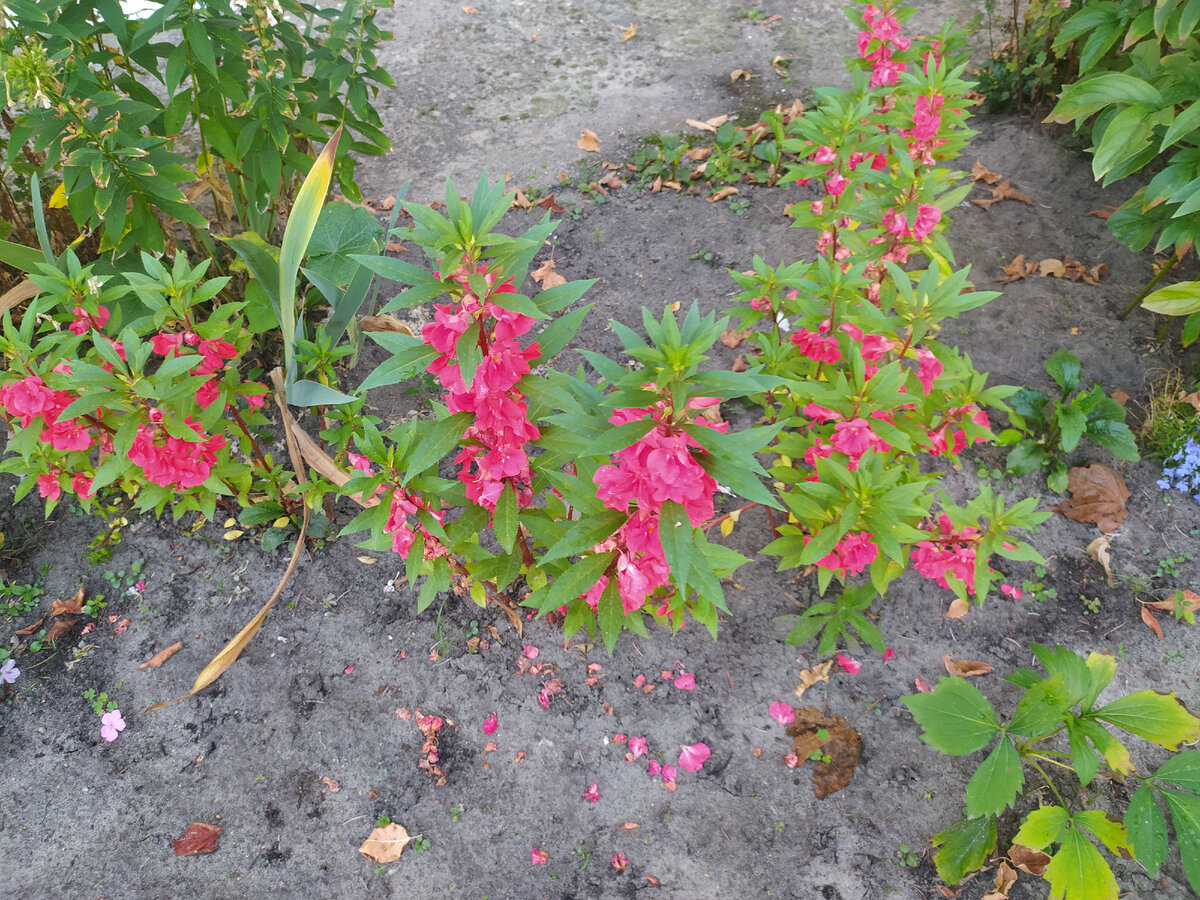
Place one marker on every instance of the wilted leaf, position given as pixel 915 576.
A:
pixel 1102 213
pixel 965 667
pixel 1098 550
pixel 628 31
pixel 385 844
pixel 545 275
pixel 958 608
pixel 334 786
pixel 698 154
pixel 589 141
pixel 549 203
pixel 1151 622
pixel 1051 268
pixel 740 73
pixel 1032 861
pixel 469 10
pixel 1188 601
pixel 656 185
pixel 815 675
pixel 1005 191
pixel 395 247
pixel 520 201
pixel 385 322
pixel 72 606
pixel 1006 877
pixel 979 172
pixel 161 656
pixel 61 627
pixel 839 750
pixel 1098 495
pixel 732 338
pixel 30 629
pixel 199 838
pixel 1015 270
pixel 739 364
pixel 727 191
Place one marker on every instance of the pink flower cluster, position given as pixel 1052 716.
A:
pixel 402 522
pixel 661 466
pixel 493 454
pixel 171 461
pixel 878 43
pixel 953 553
pixel 214 355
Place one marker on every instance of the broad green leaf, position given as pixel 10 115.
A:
pixel 1081 99
pixel 610 614
pixel 996 782
pixel 966 846
pixel 676 535
pixel 1042 708
pixel 1185 816
pixel 1102 668
pixel 1042 827
pixel 578 579
pixel 1111 834
pixel 313 393
pixel 1061 661
pixel 1063 366
pixel 1083 757
pixel 341 230
pixel 1183 770
pixel 1026 457
pixel 1159 718
pixel 437 442
pixel 504 517
pixel 1147 829
pixel 586 533
pixel 1072 421
pixel 1079 871
pixel 956 718
pixel 1181 299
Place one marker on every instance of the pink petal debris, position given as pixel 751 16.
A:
pixel 783 713
pixel 848 664
pixel 791 760
pixel 653 767
pixel 1009 591
pixel 922 685
pixel 638 746
pixel 889 654
pixel 620 862
pixel 538 857
pixel 686 682
pixel 620 737
pixel 692 757
pixel 350 669
pixel 490 724
pixel 591 795
pixel 668 774
pixel 531 652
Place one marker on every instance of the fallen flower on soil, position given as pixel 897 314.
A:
pixel 668 776
pixel 9 672
pixel 848 664
pixel 384 845
pixel 638 746
pixel 783 713
pixel 692 756
pixel 538 857
pixel 889 654
pixel 490 724
pixel 654 767
pixel 112 724
pixel 620 862
pixel 199 838
pixel 686 682
pixel 592 794
pixel 531 652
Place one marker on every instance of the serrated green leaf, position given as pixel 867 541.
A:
pixel 1147 829
pixel 1159 718
pixel 1085 759
pixel 504 517
pixel 1063 366
pixel 1042 827
pixel 1182 769
pixel 1185 816
pixel 1079 871
pixel 955 717
pixel 1042 708
pixel 966 846
pixel 996 782
pixel 1102 668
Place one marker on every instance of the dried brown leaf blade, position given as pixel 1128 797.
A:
pixel 161 656
pixel 589 141
pixel 1098 496
pixel 72 606
pixel 839 748
pixel 200 838
pixel 384 845
pixel 966 668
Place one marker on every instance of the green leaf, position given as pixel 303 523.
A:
pixel 505 517
pixel 1078 870
pixel 1147 829
pixel 1063 366
pixel 555 336
pixel 966 846
pixel 1072 422
pixel 996 782
pixel 1111 833
pixel 1183 770
pixel 437 442
pixel 578 579
pixel 1114 435
pixel 1042 708
pixel 585 533
pixel 1158 718
pixel 341 230
pixel 1042 827
pixel 313 393
pixel 1185 816
pixel 1102 668
pixel 956 718
pixel 1083 757
pixel 610 614
pixel 1081 99
pixel 676 534
pixel 1026 457
pixel 1181 299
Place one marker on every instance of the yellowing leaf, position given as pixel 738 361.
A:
pixel 958 609
pixel 385 844
pixel 727 527
pixel 229 523
pixel 727 191
pixel 739 73
pixel 1051 268
pixel 58 200
pixel 367 560
pixel 628 31
pixel 589 141
pixel 281 522
pixel 233 535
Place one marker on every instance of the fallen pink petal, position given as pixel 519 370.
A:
pixel 653 767
pixel 889 654
pixel 620 737
pixel 638 746
pixel 783 713
pixel 531 652
pixel 591 795
pixel 686 682
pixel 620 862
pixel 350 669
pixel 692 756
pixel 669 772
pixel 538 857
pixel 490 724
pixel 922 685
pixel 848 664
pixel 791 760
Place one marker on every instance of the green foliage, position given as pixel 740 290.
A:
pixel 260 84
pixel 957 719
pixel 1043 429
pixel 18 599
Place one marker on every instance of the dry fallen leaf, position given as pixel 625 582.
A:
pixel 72 606
pixel 1048 268
pixel 386 322
pixel 965 668
pixel 727 191
pixel 334 786
pixel 469 10
pixel 199 838
pixel 1003 191
pixel 698 154
pixel 549 203
pixel 628 31
pixel 546 277
pixel 1098 550
pixel 61 627
pixel 1006 877
pixel 740 364
pixel 1186 600
pixel 740 73
pixel 1017 269
pixel 732 338
pixel 367 560
pixel 958 608
pixel 1151 622
pixel 840 749
pixel 1102 213
pixel 396 247
pixel 30 629
pixel 1120 396
pixel 1032 861
pixel 385 844
pixel 161 656
pixel 979 172
pixel 1098 495
pixel 815 675
pixel 520 201
pixel 589 141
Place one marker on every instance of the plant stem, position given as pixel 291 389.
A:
pixel 1167 267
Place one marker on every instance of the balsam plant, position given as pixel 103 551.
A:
pixel 1044 428
pixel 1061 709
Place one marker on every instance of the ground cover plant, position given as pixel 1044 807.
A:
pixel 592 497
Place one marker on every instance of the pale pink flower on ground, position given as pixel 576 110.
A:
pixel 9 672
pixel 538 857
pixel 791 760
pixel 1009 591
pixel 889 654
pixel 490 724
pixel 922 686
pixel 638 747
pixel 686 682
pixel 620 861
pixel 848 664
pixel 592 794
pixel 111 725
pixel 783 713
pixel 531 652
pixel 668 774
pixel 692 756
pixel 653 767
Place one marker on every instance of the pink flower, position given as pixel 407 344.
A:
pixel 693 756
pixel 620 862
pixel 889 654
pixel 848 664
pixel 783 713
pixel 791 760
pixel 922 686
pixel 111 725
pixel 591 795
pixel 48 486
pixel 84 322
pixel 1009 591
pixel 653 767
pixel 256 396
pixel 82 485
pixel 930 368
pixel 639 747
pixel 531 652
pixel 686 682
pixel 620 737
pixel 538 857
pixel 854 438
pixel 490 724
pixel 668 775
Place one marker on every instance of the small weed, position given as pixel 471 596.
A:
pixel 102 702
pixel 1174 656
pixel 739 205
pixel 585 854
pixel 705 256
pixel 753 15
pixel 1170 420
pixel 1090 606
pixel 18 599
pixel 456 812
pixel 908 858
pixel 420 843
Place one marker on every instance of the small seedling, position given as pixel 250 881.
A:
pixel 908 858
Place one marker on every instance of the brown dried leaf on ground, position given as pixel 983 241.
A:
pixel 385 844
pixel 1152 623
pixel 386 322
pixel 739 364
pixel 815 675
pixel 1102 213
pixel 958 608
pixel 967 668
pixel 161 656
pixel 1098 495
pixel 1017 269
pixel 546 277
pixel 72 606
pixel 732 338
pixel 1189 601
pixel 724 192
pixel 334 786
pixel 628 32
pixel 740 73
pixel 1003 191
pixel 61 627
pixel 1051 268
pixel 1098 550
pixel 199 838
pixel 1032 861
pixel 980 172
pixel 520 201
pixel 698 154
pixel 1006 877
pixel 549 203
pixel 589 141
pixel 30 629
pixel 839 745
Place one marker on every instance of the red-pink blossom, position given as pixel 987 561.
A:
pixel 591 795
pixel 85 321
pixel 490 724
pixel 531 652
pixel 889 654
pixel 922 686
pixel 49 486
pixel 538 857
pixel 81 484
pixel 638 747
pixel 791 760
pixel 668 774
pixel 848 664
pixel 620 862
pixel 692 756
pixel 686 681
pixel 1009 590
pixel 783 713
pixel 654 767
